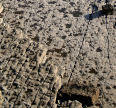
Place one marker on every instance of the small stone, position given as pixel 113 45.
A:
pixel 41 56
pixel 20 34
pixel 1 99
pixel 1 8
pixel 76 104
pixel 1 20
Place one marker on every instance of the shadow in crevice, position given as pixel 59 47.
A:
pixel 94 15
pixel 63 97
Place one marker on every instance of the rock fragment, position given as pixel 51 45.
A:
pixel 41 58
pixel 1 99
pixel 1 20
pixel 1 8
pixel 76 104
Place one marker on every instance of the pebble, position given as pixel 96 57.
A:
pixel 1 8
pixel 1 20
pixel 1 99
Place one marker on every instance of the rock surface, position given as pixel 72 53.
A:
pixel 47 43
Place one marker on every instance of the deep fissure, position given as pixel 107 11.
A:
pixel 62 97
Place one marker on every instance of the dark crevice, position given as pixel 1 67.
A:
pixel 76 13
pixel 68 25
pixel 110 8
pixel 59 51
pixel 93 71
pixel 63 97
pixel 62 10
pixel 98 49
pixel 75 63
pixel 52 2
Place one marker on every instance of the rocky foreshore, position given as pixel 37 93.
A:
pixel 57 54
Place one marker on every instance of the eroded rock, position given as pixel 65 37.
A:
pixel 33 78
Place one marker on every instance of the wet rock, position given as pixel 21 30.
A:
pixel 1 20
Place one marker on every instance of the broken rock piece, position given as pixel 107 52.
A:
pixel 1 20
pixel 1 8
pixel 75 104
pixel 1 99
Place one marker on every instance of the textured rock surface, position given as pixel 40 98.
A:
pixel 46 43
pixel 28 78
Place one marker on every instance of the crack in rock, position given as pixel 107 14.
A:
pixel 85 93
